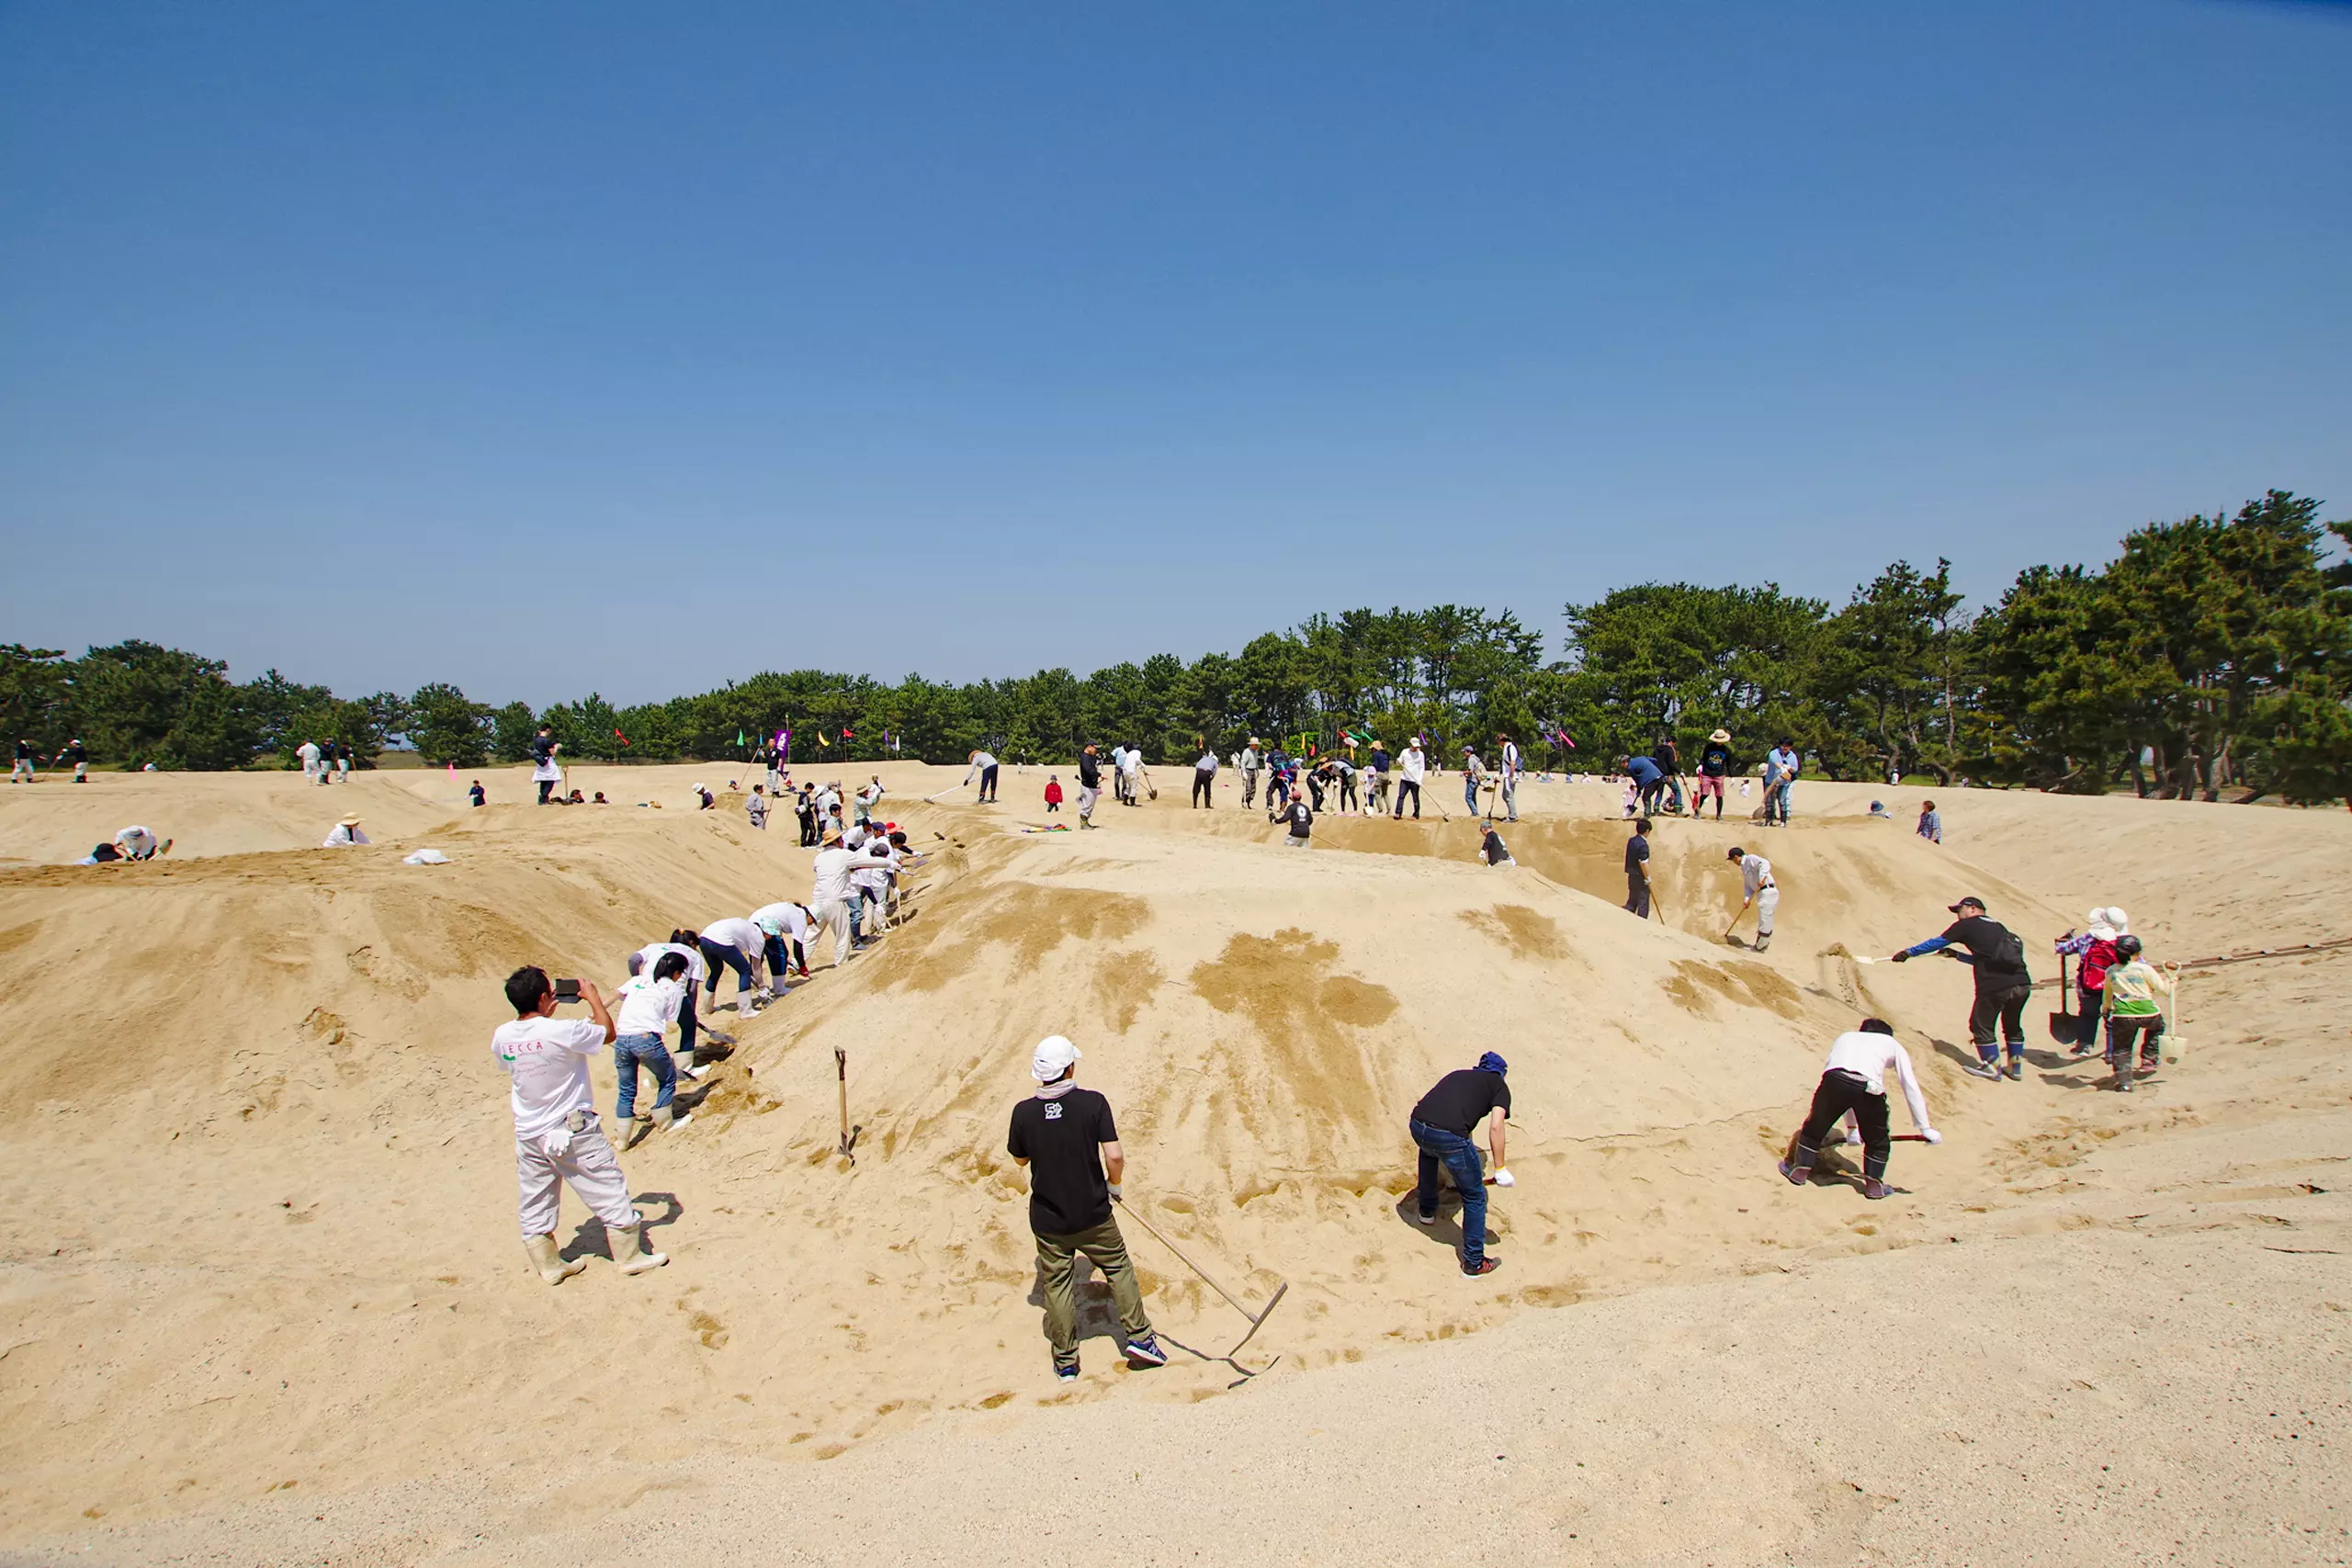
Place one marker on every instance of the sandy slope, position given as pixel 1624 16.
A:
pixel 263 1252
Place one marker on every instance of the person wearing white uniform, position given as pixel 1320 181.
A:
pixel 557 1137
pixel 737 944
pixel 983 769
pixel 689 943
pixel 1130 772
pixel 1756 888
pixel 132 843
pixel 346 833
pixel 1854 1084
pixel 1411 767
pixel 787 926
pixel 309 753
pixel 649 1003
pixel 872 881
pixel 1511 768
pixel 830 900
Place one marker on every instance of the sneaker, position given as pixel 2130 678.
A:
pixel 2017 1069
pixel 1066 1371
pixel 2079 1048
pixel 1484 1266
pixel 1762 943
pixel 1981 1069
pixel 2148 1065
pixel 1875 1189
pixel 2122 1085
pixel 698 1074
pixel 1143 1351
pixel 1798 1175
pixel 1421 1219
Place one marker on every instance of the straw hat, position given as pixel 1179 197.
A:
pixel 347 822
pixel 1720 737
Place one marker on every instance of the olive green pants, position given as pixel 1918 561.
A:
pixel 1107 1250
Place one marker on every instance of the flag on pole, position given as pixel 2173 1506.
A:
pixel 820 739
pixel 738 737
pixel 618 736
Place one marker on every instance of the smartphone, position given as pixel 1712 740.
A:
pixel 567 991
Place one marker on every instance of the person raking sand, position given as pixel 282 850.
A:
pixel 1068 1140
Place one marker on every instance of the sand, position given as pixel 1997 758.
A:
pixel 262 1298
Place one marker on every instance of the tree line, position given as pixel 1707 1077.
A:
pixel 2212 654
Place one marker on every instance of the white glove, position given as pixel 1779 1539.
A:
pixel 1932 1136
pixel 1115 1196
pixel 1503 1177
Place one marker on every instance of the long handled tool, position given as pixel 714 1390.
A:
pixel 2175 1032
pixel 848 1149
pixel 2064 1028
pixel 1734 920
pixel 1257 1319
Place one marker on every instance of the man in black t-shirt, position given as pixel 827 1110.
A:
pixel 1714 762
pixel 1300 817
pixel 1442 1126
pixel 2002 983
pixel 1089 784
pixel 1064 1135
pixel 1637 871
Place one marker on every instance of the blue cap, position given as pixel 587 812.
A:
pixel 1490 1062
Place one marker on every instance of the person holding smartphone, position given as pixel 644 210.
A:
pixel 557 1137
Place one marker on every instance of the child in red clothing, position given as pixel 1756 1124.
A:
pixel 1053 792
pixel 2094 949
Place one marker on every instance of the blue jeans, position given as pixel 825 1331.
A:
pixel 722 957
pixel 1460 1157
pixel 1776 802
pixel 1470 795
pixel 628 1052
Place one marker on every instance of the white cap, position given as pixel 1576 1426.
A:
pixel 1054 1057
pixel 2118 919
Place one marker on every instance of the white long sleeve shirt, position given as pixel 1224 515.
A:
pixel 832 867
pixel 1868 1056
pixel 1413 764
pixel 980 762
pixel 1755 872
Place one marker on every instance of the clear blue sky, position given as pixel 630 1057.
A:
pixel 550 347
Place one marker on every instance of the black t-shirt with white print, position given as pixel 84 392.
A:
pixel 1061 1140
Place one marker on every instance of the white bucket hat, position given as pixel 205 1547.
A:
pixel 1054 1057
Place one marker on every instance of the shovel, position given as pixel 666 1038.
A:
pixel 2176 1038
pixel 2064 1027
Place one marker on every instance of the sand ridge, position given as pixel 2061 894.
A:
pixel 277 1147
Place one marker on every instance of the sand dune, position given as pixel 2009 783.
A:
pixel 263 1263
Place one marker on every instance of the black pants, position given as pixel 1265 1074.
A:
pixel 544 785
pixel 1315 791
pixel 2148 1030
pixel 2006 1008
pixel 1637 895
pixel 1347 792
pixel 1841 1092
pixel 1201 780
pixel 1404 785
pixel 780 950
pixel 987 783
pixel 1650 793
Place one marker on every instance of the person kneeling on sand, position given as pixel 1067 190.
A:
pixel 132 843
pixel 649 1005
pixel 1068 1133
pixel 1854 1085
pixel 346 833
pixel 557 1137
pixel 1300 817
pixel 1444 1126
pixel 1491 848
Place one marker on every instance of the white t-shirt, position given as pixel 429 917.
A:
pixel 548 1058
pixel 873 871
pixel 745 936
pixel 341 836
pixel 787 920
pixel 137 842
pixel 696 966
pixel 1868 1055
pixel 1510 758
pixel 647 1006
pixel 308 752
pixel 1413 764
pixel 979 760
pixel 1131 764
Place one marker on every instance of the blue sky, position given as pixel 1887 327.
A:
pixel 545 348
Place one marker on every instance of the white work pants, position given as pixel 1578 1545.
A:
pixel 589 1164
pixel 834 916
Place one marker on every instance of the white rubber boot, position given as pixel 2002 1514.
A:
pixel 552 1268
pixel 628 1252
pixel 666 1117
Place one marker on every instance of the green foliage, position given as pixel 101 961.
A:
pixel 2211 653
pixel 444 726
